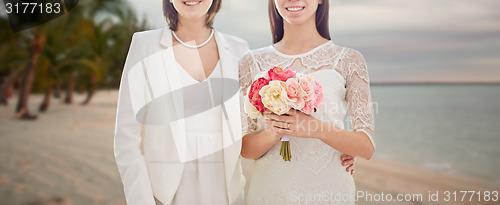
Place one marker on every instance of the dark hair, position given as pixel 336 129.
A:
pixel 172 18
pixel 276 21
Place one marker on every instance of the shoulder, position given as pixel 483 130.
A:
pixel 352 55
pixel 145 43
pixel 233 40
pixel 237 45
pixel 252 55
pixel 247 58
pixel 148 35
pixel 262 50
pixel 353 64
pixel 258 52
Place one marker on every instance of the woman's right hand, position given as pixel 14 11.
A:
pixel 256 144
pixel 269 129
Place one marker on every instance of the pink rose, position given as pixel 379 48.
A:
pixel 307 85
pixel 316 99
pixel 318 92
pixel 254 96
pixel 308 107
pixel 294 95
pixel 278 73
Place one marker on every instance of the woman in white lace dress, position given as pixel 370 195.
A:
pixel 315 174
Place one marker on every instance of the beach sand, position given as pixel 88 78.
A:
pixel 378 176
pixel 66 157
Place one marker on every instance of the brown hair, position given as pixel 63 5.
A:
pixel 172 18
pixel 276 21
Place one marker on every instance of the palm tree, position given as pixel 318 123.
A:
pixel 94 50
pixel 94 55
pixel 45 70
pixel 36 46
pixel 55 54
pixel 120 34
pixel 12 56
pixel 97 55
pixel 97 42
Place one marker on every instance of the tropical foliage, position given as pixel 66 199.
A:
pixel 83 50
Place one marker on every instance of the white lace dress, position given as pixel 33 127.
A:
pixel 315 175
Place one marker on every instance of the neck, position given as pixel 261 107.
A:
pixel 188 30
pixel 300 37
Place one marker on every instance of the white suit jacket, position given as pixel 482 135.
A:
pixel 147 76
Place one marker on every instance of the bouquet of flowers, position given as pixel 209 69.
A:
pixel 278 91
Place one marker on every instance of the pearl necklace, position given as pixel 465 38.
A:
pixel 193 46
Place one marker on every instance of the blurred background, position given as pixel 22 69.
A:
pixel 434 69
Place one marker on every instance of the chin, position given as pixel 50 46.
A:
pixel 193 16
pixel 192 9
pixel 299 20
pixel 296 21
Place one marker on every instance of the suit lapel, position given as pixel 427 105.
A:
pixel 231 122
pixel 172 75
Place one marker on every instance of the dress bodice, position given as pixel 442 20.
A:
pixel 203 179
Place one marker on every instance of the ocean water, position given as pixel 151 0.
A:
pixel 449 128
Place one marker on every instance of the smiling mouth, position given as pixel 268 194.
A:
pixel 295 8
pixel 192 3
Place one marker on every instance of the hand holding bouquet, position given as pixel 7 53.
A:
pixel 278 91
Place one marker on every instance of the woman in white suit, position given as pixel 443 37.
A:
pixel 179 98
pixel 190 155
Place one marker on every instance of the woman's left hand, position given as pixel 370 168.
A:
pixel 295 123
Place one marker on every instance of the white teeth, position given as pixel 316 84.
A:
pixel 192 3
pixel 294 8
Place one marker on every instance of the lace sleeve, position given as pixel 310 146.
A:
pixel 358 95
pixel 246 69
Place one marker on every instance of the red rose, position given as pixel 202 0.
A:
pixel 278 73
pixel 254 96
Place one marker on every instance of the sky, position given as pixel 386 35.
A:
pixel 402 41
